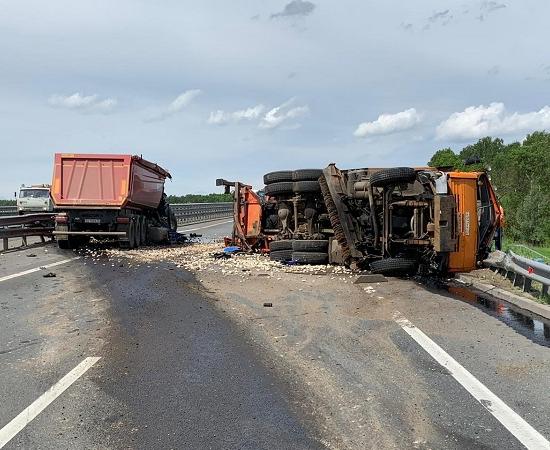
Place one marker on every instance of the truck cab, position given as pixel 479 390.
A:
pixel 34 199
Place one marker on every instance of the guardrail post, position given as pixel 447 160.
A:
pixel 526 284
pixel 518 280
pixel 4 244
pixel 544 291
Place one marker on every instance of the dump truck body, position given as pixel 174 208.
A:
pixel 106 181
pixel 106 195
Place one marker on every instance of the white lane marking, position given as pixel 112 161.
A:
pixel 208 226
pixel 30 412
pixel 36 269
pixel 524 432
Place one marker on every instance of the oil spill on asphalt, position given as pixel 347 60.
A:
pixel 531 326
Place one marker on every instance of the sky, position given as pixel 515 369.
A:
pixel 218 89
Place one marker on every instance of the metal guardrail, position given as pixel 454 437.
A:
pixel 8 210
pixel 188 213
pixel 185 212
pixel 520 270
pixel 41 224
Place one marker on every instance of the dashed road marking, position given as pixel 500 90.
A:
pixel 36 269
pixel 30 412
pixel 524 432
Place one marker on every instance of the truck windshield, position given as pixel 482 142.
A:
pixel 34 193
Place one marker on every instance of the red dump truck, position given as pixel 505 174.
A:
pixel 109 196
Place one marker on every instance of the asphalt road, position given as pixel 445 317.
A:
pixel 173 372
pixel 185 364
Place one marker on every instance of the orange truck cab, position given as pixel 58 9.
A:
pixel 478 218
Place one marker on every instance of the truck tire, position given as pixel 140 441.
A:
pixel 306 174
pixel 306 187
pixel 394 175
pixel 277 177
pixel 320 245
pixel 131 235
pixel 143 231
pixel 137 234
pixel 393 265
pixel 310 257
pixel 283 188
pixel 281 255
pixel 63 244
pixel 283 244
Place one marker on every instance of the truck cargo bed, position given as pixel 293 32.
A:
pixel 106 181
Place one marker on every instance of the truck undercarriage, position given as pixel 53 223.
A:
pixel 397 219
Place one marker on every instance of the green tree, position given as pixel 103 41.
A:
pixel 200 198
pixel 445 158
pixel 486 149
pixel 520 173
pixel 532 215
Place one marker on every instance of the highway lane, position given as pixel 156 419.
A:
pixel 173 372
pixel 210 231
pixel 192 365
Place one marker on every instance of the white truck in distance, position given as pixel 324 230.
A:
pixel 34 199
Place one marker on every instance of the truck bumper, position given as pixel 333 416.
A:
pixel 90 233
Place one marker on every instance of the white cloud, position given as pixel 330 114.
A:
pixel 83 103
pixel 479 121
pixel 220 117
pixel 389 123
pixel 180 102
pixel 277 116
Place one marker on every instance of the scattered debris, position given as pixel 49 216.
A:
pixel 268 305
pixel 31 255
pixel 49 275
pixel 370 278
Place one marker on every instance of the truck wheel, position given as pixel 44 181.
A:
pixel 305 187
pixel 285 244
pixel 131 234
pixel 307 174
pixel 281 255
pixel 138 232
pixel 320 245
pixel 63 244
pixel 143 231
pixel 276 177
pixel 310 257
pixel 283 188
pixel 395 175
pixel 393 265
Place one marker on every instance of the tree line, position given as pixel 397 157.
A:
pixel 200 198
pixel 520 174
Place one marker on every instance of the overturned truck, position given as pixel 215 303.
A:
pixel 403 219
pixel 392 220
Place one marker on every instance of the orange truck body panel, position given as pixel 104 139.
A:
pixel 463 186
pixel 251 214
pixel 106 181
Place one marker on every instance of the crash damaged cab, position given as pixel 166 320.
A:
pixel 405 219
